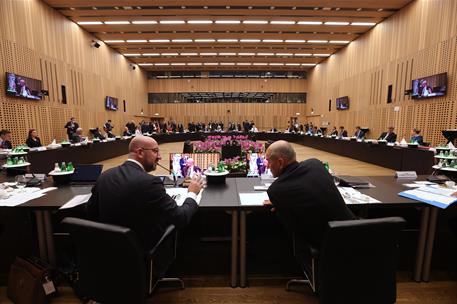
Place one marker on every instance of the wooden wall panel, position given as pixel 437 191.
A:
pixel 38 42
pixel 420 40
pixel 265 116
pixel 227 85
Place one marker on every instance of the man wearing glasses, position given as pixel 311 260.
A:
pixel 128 196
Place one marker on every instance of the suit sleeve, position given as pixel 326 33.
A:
pixel 179 216
pixel 92 205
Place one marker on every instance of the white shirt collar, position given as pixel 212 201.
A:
pixel 136 162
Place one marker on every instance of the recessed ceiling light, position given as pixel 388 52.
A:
pixel 94 8
pixel 113 41
pixel 194 63
pixel 272 7
pixel 282 22
pixel 308 64
pixel 144 64
pixel 127 7
pixel 276 63
pixel 249 40
pixel 302 54
pixel 172 21
pixel 227 63
pixel 178 63
pixel 151 54
pixel 136 41
pixel 227 40
pixel 265 54
pixel 189 54
pixel 321 55
pixel 227 54
pixel 293 64
pixel 161 64
pixel 309 22
pixel 363 23
pixel 159 40
pixel 359 9
pixel 90 22
pixel 295 41
pixel 131 54
pixel 272 40
pixel 228 21
pixel 336 23
pixel 204 40
pixel 339 41
pixel 326 8
pixel 243 63
pixel 208 54
pixel 380 9
pixel 144 22
pixel 260 63
pixel 317 41
pixel 246 54
pixel 255 22
pixel 117 22
pixel 210 63
pixel 169 54
pixel 181 40
pixel 284 54
pixel 199 21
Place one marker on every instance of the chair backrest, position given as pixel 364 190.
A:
pixel 110 262
pixel 230 151
pixel 358 261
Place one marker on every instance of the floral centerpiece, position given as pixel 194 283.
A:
pixel 235 164
pixel 214 144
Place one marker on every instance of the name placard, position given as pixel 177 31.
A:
pixel 406 174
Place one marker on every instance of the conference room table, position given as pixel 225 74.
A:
pixel 226 197
pixel 393 157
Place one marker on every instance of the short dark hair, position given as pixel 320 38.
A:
pixel 30 132
pixel 4 132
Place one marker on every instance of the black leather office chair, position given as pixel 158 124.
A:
pixel 188 147
pixel 112 267
pixel 357 262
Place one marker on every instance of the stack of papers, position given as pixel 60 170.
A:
pixel 352 196
pixel 180 195
pixel 253 198
pixel 21 196
pixel 435 196
pixel 76 201
pixel 418 184
pixel 262 187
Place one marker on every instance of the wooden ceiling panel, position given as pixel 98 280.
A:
pixel 273 38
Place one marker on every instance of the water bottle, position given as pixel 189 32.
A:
pixel 63 167
pixel 70 166
pixel 56 167
pixel 326 166
pixel 9 161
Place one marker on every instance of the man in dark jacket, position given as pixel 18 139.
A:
pixel 304 195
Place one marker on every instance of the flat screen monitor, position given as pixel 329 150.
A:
pixel 431 86
pixel 111 103
pixel 342 103
pixel 186 164
pixel 256 164
pixel 23 87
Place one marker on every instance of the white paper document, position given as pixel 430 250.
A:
pixel 438 197
pixel 413 185
pixel 253 198
pixel 180 195
pixel 21 196
pixel 76 201
pixel 352 196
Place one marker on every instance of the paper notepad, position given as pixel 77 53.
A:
pixel 76 201
pixel 180 195
pixel 253 198
pixel 437 197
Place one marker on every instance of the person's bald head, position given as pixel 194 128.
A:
pixel 145 150
pixel 279 155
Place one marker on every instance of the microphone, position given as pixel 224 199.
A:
pixel 175 182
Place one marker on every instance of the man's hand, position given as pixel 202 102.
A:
pixel 196 184
pixel 267 203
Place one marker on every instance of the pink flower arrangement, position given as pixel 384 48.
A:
pixel 214 144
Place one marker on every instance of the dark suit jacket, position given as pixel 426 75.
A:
pixel 306 199
pixel 70 129
pixel 359 134
pixel 6 144
pixel 128 196
pixel 33 143
pixel 391 138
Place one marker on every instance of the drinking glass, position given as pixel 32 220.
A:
pixel 21 182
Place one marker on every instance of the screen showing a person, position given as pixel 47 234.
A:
pixel 111 103
pixel 187 164
pixel 342 103
pixel 257 164
pixel 431 86
pixel 23 87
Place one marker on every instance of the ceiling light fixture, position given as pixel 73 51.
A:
pixel 172 21
pixel 227 40
pixel 255 22
pixel 284 22
pixel 309 22
pixel 250 40
pixel 136 41
pixel 113 41
pixel 363 23
pixel 159 40
pixel 227 22
pixel 317 41
pixel 272 40
pixel 117 22
pixel 181 40
pixel 295 41
pixel 144 22
pixel 199 21
pixel 90 22
pixel 336 23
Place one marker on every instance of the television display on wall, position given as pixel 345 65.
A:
pixel 342 103
pixel 430 86
pixel 111 103
pixel 23 87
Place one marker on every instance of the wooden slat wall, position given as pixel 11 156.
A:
pixel 418 41
pixel 38 42
pixel 227 85
pixel 265 116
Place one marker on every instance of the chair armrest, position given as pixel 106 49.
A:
pixel 170 229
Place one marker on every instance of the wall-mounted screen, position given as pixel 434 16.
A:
pixel 342 103
pixel 111 103
pixel 431 86
pixel 23 87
